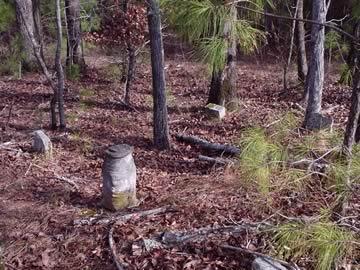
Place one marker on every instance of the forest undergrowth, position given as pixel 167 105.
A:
pixel 284 183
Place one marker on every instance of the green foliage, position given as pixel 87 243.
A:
pixel 327 243
pixel 73 72
pixel 11 62
pixel 346 75
pixel 332 39
pixel 7 15
pixel 92 19
pixel 259 157
pixel 212 26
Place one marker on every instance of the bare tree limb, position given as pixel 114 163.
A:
pixel 118 218
pixel 224 148
pixel 113 249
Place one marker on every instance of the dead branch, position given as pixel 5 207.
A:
pixel 221 161
pixel 223 148
pixel 113 249
pixel 67 180
pixel 290 266
pixel 177 238
pixel 120 218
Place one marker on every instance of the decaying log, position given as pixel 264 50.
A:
pixel 113 249
pixel 223 148
pixel 254 254
pixel 118 218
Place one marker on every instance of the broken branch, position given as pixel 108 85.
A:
pixel 118 218
pixel 113 249
pixel 223 148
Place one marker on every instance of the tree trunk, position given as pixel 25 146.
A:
pixel 130 73
pixel 28 20
pixel 292 35
pixel 161 129
pixel 352 129
pixel 315 78
pixel 74 54
pixel 223 82
pixel 59 68
pixel 301 45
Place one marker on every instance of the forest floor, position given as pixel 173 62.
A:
pixel 37 209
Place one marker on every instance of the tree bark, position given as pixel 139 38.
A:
pixel 301 45
pixel 130 73
pixel 315 78
pixel 59 68
pixel 161 128
pixel 223 82
pixel 74 54
pixel 28 20
pixel 292 35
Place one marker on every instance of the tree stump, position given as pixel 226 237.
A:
pixel 119 178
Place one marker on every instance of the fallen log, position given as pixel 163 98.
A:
pixel 223 148
pixel 118 218
pixel 266 262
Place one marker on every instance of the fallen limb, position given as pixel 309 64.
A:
pixel 221 161
pixel 119 218
pixel 223 148
pixel 113 249
pixel 177 238
pixel 66 180
pixel 255 254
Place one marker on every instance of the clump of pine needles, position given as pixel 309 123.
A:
pixel 325 242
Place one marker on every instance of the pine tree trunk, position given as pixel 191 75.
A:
pixel 74 54
pixel 28 19
pixel 315 78
pixel 59 68
pixel 130 73
pixel 223 82
pixel 161 129
pixel 301 45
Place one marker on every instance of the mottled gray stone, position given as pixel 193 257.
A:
pixel 119 178
pixel 215 111
pixel 42 143
pixel 262 263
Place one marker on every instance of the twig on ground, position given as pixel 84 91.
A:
pixel 290 266
pixel 58 177
pixel 118 218
pixel 66 180
pixel 224 148
pixel 126 105
pixel 113 249
pixel 221 161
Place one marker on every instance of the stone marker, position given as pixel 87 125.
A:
pixel 266 264
pixel 119 178
pixel 215 111
pixel 42 143
pixel 317 121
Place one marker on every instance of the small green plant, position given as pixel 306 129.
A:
pixel 346 75
pixel 324 241
pixel 259 157
pixel 72 118
pixel 85 142
pixel 86 92
pixel 11 62
pixel 73 72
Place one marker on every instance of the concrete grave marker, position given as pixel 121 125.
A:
pixel 119 178
pixel 215 111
